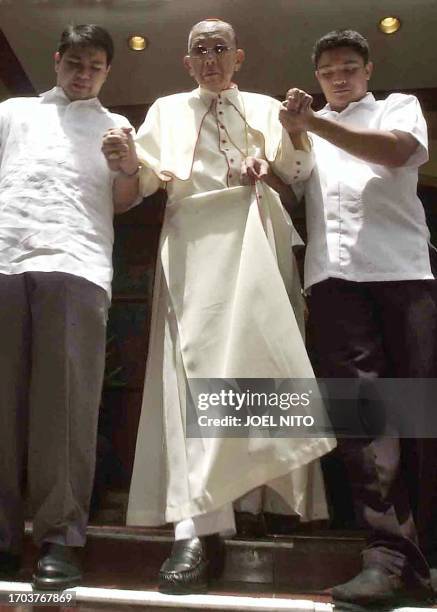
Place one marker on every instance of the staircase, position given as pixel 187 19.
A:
pixel 273 573
pixel 287 573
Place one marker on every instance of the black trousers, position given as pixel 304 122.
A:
pixel 370 330
pixel 52 355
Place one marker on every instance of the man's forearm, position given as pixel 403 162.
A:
pixel 125 192
pixel 374 146
pixel 300 141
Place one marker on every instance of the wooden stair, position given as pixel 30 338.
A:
pixel 278 572
pixel 288 573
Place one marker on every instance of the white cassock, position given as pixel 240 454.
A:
pixel 226 304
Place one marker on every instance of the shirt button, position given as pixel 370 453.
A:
pixel 220 112
pixel 222 127
pixel 298 163
pixel 295 177
pixel 230 175
pixel 224 141
pixel 231 160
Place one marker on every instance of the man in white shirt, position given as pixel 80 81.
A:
pixel 372 290
pixel 57 198
pixel 221 306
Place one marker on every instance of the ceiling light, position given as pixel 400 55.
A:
pixel 389 25
pixel 137 43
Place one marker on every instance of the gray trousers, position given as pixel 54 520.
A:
pixel 52 355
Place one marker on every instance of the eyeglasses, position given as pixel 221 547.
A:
pixel 201 52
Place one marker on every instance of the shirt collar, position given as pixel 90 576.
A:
pixel 367 100
pixel 231 95
pixel 57 94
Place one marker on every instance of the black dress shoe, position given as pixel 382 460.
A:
pixel 10 565
pixel 374 588
pixel 191 564
pixel 58 568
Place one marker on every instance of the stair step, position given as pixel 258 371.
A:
pixel 280 573
pixel 130 558
pixel 89 599
pixel 303 564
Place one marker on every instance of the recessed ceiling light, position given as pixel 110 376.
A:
pixel 137 43
pixel 389 25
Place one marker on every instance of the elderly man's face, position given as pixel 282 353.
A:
pixel 213 57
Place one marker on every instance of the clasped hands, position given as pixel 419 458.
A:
pixel 119 150
pixel 296 112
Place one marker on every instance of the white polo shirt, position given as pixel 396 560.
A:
pixel 56 205
pixel 365 221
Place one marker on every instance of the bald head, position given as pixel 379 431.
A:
pixel 211 26
pixel 213 56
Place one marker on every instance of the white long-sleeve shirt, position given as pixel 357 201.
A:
pixel 56 205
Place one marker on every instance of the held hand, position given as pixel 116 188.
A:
pixel 298 100
pixel 119 150
pixel 255 169
pixel 296 111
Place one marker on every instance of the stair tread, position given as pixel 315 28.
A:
pixel 89 599
pixel 235 597
pixel 131 557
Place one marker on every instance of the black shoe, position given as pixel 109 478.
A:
pixel 374 588
pixel 188 568
pixel 10 565
pixel 58 568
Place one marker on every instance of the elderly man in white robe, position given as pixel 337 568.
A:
pixel 227 301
